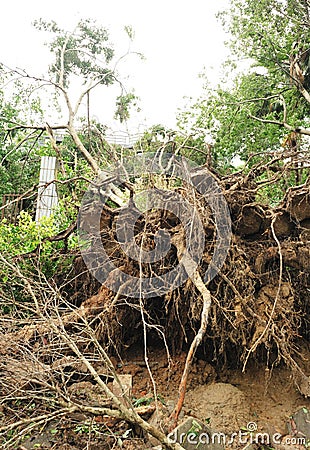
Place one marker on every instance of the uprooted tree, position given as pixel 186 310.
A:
pixel 255 305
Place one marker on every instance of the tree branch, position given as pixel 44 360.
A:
pixel 300 130
pixel 201 287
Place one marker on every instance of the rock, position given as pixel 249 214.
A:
pixel 158 420
pixel 299 432
pixel 123 389
pixel 299 424
pixel 193 434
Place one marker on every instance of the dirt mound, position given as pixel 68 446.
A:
pixel 224 405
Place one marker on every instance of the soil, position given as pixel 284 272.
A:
pixel 227 401
pixel 230 399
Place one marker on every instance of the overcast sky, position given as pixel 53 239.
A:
pixel 177 38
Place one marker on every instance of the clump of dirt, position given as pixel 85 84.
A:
pixel 222 405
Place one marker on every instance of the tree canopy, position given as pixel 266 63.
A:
pixel 265 106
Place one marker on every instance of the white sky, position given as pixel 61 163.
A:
pixel 178 39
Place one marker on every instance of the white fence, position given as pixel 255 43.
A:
pixel 47 195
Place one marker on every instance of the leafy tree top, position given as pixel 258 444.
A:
pixel 257 112
pixel 85 52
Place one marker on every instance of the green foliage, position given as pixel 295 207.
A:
pixel 26 242
pixel 130 32
pixel 266 31
pixel 275 35
pixel 84 54
pixel 233 117
pixel 226 116
pixel 25 235
pixel 20 150
pixel 87 427
pixel 124 103
pixel 147 400
pixel 77 53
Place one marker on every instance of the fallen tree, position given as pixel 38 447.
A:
pixel 255 306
